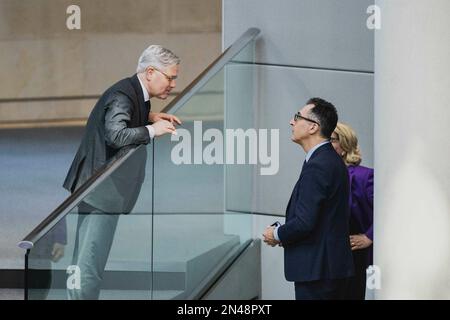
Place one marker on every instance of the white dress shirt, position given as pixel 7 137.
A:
pixel 151 130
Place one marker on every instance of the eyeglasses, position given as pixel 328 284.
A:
pixel 333 139
pixel 299 116
pixel 169 78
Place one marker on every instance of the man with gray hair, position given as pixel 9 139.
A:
pixel 121 118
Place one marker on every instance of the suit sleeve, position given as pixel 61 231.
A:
pixel 310 195
pixel 369 195
pixel 118 112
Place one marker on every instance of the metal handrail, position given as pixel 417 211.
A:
pixel 62 210
pixel 211 70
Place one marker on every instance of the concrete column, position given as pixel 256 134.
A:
pixel 412 149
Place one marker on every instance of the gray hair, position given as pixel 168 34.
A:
pixel 157 57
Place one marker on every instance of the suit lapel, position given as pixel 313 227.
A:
pixel 303 169
pixel 322 148
pixel 143 109
pixel 295 188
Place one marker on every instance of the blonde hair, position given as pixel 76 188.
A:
pixel 349 143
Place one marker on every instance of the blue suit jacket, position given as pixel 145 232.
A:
pixel 316 234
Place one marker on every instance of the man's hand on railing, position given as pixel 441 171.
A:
pixel 162 127
pixel 156 116
pixel 57 252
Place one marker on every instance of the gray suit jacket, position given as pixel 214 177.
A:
pixel 118 120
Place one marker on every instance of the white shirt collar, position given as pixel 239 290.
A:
pixel 311 151
pixel 144 91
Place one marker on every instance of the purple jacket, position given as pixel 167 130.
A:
pixel 361 200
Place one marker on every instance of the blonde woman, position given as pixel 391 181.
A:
pixel 345 143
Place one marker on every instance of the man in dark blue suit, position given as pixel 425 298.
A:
pixel 317 253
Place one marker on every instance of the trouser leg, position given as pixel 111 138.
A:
pixel 95 234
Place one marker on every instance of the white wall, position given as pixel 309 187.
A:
pixel 412 203
pixel 310 33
